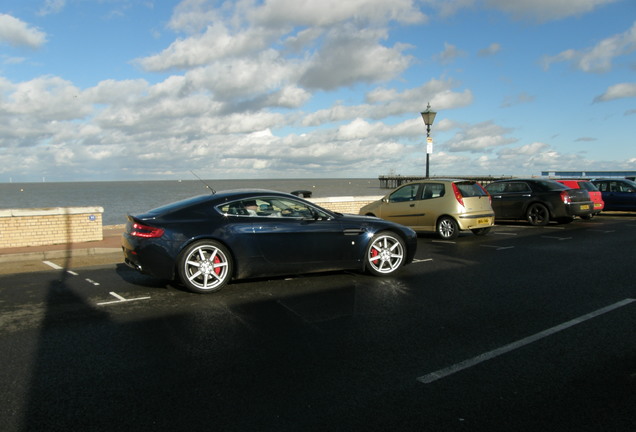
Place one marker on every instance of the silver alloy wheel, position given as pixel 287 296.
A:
pixel 447 228
pixel 385 254
pixel 206 267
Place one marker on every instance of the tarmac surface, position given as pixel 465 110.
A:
pixel 84 254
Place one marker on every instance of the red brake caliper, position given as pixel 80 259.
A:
pixel 217 260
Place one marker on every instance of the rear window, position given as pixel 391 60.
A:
pixel 548 185
pixel 188 203
pixel 588 186
pixel 470 189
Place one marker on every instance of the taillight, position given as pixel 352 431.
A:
pixel 565 197
pixel 145 231
pixel 458 195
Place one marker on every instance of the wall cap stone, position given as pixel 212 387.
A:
pixel 345 199
pixel 49 211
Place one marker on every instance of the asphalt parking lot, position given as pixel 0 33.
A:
pixel 527 328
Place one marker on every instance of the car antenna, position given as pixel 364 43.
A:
pixel 201 180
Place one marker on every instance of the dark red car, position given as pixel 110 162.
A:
pixel 595 194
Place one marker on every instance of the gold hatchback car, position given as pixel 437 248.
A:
pixel 442 206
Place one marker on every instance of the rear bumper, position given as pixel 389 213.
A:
pixel 148 257
pixel 473 221
pixel 583 208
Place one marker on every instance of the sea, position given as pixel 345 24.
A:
pixel 120 198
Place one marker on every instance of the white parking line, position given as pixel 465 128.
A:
pixel 57 267
pixel 557 238
pixel 121 299
pixel 52 265
pixel 498 247
pixel 422 260
pixel 442 373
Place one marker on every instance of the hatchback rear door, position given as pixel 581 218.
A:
pixel 475 198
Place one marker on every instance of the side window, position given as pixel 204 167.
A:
pixel 405 193
pixel 249 207
pixel 432 190
pixel 496 188
pixel 235 208
pixel 289 208
pixel 271 207
pixel 517 187
pixel 602 186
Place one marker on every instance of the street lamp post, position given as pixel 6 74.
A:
pixel 429 117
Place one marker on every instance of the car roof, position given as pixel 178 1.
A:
pixel 217 198
pixel 438 180
pixel 610 179
pixel 538 179
pixel 241 193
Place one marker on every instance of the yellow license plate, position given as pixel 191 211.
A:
pixel 585 207
pixel 483 221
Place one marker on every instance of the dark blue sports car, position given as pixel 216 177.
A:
pixel 208 240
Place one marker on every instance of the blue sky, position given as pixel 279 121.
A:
pixel 149 89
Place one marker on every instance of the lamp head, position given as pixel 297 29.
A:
pixel 428 116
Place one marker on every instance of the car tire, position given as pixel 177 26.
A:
pixel 588 217
pixel 447 228
pixel 205 266
pixel 385 254
pixel 538 214
pixel 481 231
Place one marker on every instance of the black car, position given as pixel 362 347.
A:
pixel 618 194
pixel 538 201
pixel 208 240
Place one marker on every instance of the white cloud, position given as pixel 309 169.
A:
pixel 450 53
pixel 326 13
pixel 547 10
pixel 216 43
pixel 52 7
pixel 350 57
pixel 17 33
pixel 518 99
pixel 617 91
pixel 490 50
pixel 385 102
pixel 598 58
pixel 479 138
pixel 43 99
